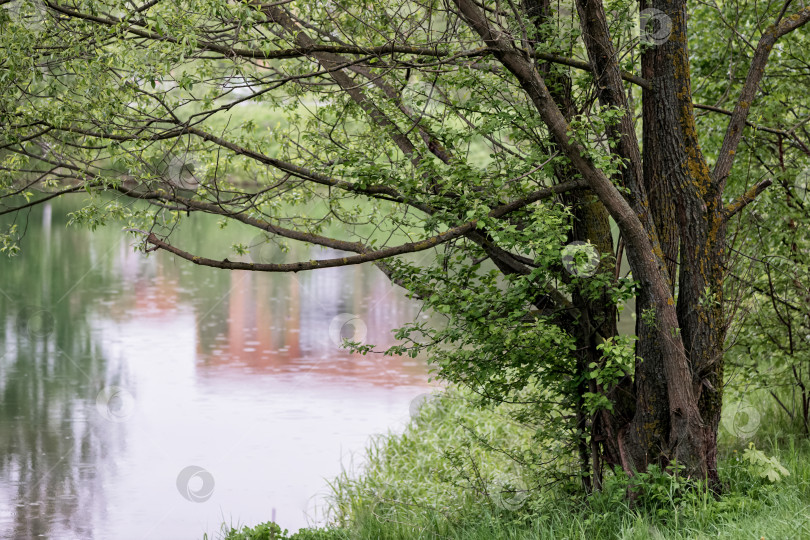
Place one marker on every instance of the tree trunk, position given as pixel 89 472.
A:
pixel 679 366
pixel 591 224
pixel 676 176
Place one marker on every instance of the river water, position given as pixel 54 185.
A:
pixel 144 397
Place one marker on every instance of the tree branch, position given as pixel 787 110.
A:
pixel 73 189
pixel 756 71
pixel 748 197
pixel 365 255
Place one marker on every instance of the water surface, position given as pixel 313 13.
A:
pixel 144 397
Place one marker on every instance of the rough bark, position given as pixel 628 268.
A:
pixel 646 437
pixel 701 231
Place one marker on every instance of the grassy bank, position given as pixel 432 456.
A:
pixel 449 476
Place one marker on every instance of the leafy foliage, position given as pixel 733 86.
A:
pixel 764 466
pixel 417 136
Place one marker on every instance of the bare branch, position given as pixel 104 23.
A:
pixel 746 198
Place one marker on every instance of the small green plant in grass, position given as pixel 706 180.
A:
pixel 764 466
pixel 262 531
pixel 272 531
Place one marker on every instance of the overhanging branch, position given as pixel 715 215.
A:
pixel 364 255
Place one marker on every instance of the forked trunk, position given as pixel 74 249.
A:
pixel 686 207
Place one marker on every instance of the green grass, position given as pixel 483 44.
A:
pixel 437 480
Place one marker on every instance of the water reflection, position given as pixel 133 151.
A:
pixel 119 372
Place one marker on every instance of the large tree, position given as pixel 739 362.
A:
pixel 499 131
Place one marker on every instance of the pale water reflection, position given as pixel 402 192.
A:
pixel 119 372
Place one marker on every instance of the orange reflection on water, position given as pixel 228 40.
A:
pixel 292 325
